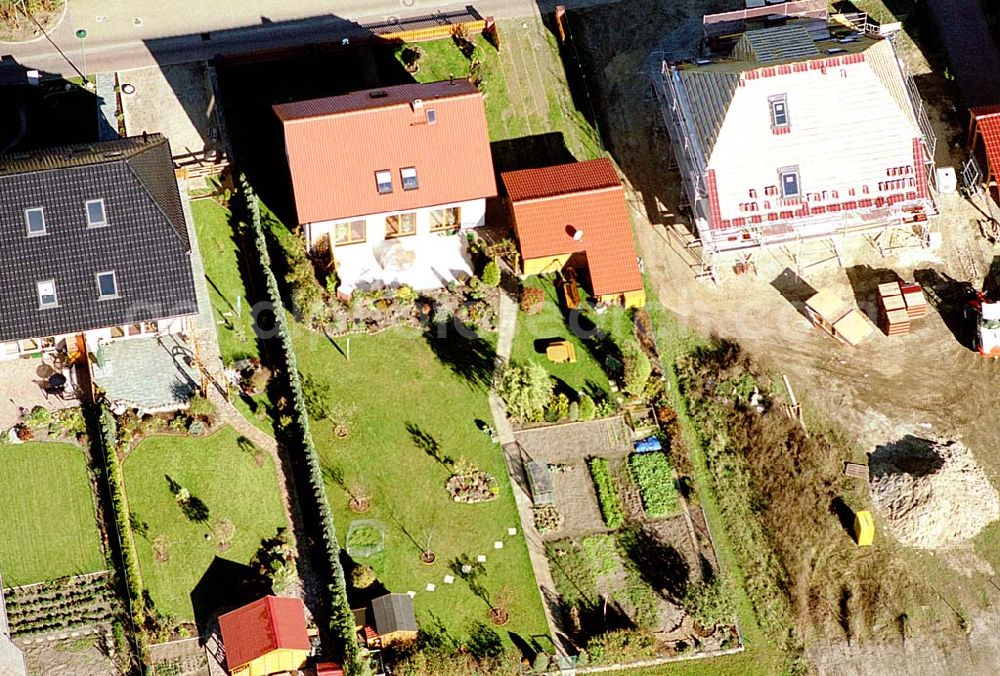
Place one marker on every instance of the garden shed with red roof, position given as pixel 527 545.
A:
pixel 265 637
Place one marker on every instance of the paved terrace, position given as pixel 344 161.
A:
pixel 151 374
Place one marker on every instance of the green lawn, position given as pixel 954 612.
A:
pixel 224 476
pixel 47 523
pixel 534 331
pixel 220 255
pixel 396 381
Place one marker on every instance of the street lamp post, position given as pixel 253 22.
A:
pixel 82 35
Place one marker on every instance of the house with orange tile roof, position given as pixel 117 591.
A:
pixel 388 180
pixel 267 636
pixel 574 215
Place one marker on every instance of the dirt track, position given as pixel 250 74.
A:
pixel 927 383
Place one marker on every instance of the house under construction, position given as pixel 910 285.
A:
pixel 794 129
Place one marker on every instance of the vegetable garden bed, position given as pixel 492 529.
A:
pixel 59 605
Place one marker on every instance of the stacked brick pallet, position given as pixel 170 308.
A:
pixel 899 303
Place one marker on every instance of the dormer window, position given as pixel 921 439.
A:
pixel 107 285
pixel 409 176
pixel 34 220
pixel 383 179
pixel 96 217
pixel 779 111
pixel 47 294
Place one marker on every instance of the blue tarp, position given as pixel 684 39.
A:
pixel 647 445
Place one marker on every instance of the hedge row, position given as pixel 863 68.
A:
pixel 611 509
pixel 655 477
pixel 123 524
pixel 341 619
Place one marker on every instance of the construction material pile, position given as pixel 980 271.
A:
pixel 931 494
pixel 898 304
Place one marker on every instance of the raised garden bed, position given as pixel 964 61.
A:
pixel 655 477
pixel 607 497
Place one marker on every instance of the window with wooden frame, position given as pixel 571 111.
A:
pixel 790 183
pixel 779 111
pixel 446 219
pixel 400 225
pixel 351 232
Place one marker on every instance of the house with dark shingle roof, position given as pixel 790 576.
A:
pixel 93 247
pixel 574 215
pixel 385 180
pixel 798 129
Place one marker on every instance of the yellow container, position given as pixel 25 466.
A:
pixel 864 528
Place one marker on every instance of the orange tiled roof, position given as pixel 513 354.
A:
pixel 552 203
pixel 268 624
pixel 336 144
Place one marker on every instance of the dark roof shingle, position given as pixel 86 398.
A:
pixel 145 243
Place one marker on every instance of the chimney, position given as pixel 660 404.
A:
pixel 418 109
pixel 577 233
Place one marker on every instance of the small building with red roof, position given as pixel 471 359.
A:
pixel 267 636
pixel 386 180
pixel 574 215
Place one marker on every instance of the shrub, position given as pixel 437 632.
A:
pixel 526 389
pixel 38 417
pixel 362 577
pixel 406 294
pixel 491 275
pixel 68 422
pixel 532 300
pixel 588 409
pixel 317 397
pixel 558 408
pixel 200 407
pixel 574 410
pixel 710 603
pixel 304 290
pixel 637 368
pixel 607 497
pixel 655 477
pixel 623 645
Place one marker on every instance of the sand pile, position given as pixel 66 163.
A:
pixel 931 494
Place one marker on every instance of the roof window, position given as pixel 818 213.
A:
pixel 790 186
pixel 34 219
pixel 409 176
pixel 431 116
pixel 107 285
pixel 47 294
pixel 96 216
pixel 383 179
pixel 779 111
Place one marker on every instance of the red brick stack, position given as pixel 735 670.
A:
pixel 899 303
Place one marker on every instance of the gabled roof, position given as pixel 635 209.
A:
pixel 553 203
pixel 268 624
pixel 336 145
pixel 145 243
pixel 707 89
pixel 392 613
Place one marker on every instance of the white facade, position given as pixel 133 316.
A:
pixel 92 339
pixel 428 257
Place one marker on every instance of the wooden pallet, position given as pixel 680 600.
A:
pixel 856 470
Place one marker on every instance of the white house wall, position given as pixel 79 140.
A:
pixel 846 132
pixel 473 215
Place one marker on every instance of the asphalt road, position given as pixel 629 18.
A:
pixel 141 33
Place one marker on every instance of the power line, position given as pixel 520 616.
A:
pixel 23 5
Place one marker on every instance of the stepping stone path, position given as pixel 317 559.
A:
pixel 449 579
pixel 411 594
pixel 431 586
pixel 498 545
pixel 481 558
pixel 511 531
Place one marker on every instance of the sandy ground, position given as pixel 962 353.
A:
pixel 175 101
pixel 71 657
pixel 926 383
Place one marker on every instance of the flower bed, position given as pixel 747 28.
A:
pixel 473 488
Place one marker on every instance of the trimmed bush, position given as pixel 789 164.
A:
pixel 363 577
pixel 637 368
pixel 491 275
pixel 655 477
pixel 588 409
pixel 532 300
pixel 710 603
pixel 607 497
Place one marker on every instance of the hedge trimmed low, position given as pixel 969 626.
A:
pixel 655 477
pixel 607 496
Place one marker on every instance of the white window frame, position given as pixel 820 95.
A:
pixel 409 174
pixel 114 278
pixel 42 305
pixel 383 177
pixel 104 212
pixel 780 100
pixel 790 171
pixel 27 221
